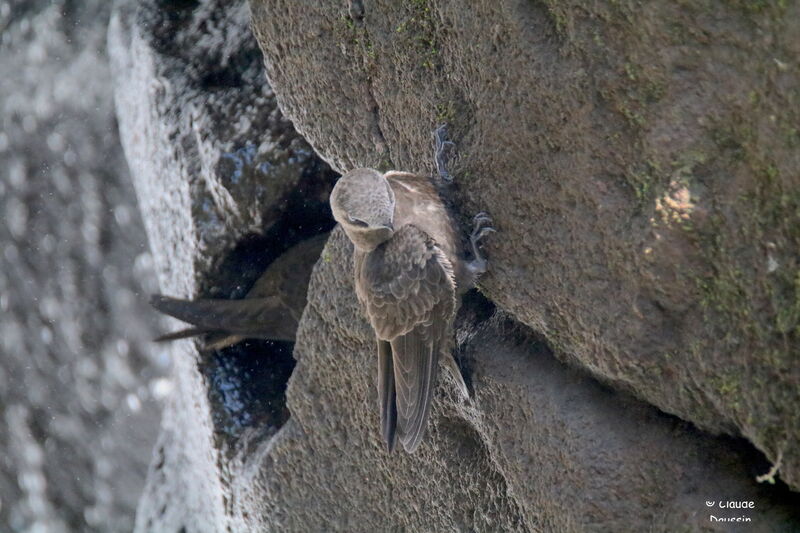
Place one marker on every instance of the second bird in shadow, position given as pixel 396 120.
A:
pixel 270 310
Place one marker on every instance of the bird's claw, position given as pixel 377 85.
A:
pixel 478 236
pixel 481 227
pixel 442 147
pixel 480 220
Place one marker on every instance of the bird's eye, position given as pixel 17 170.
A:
pixel 358 222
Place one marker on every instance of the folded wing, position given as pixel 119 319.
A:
pixel 407 288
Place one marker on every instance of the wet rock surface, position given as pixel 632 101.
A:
pixel 80 383
pixel 640 162
pixel 226 186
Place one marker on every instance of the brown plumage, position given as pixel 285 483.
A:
pixel 409 273
pixel 270 310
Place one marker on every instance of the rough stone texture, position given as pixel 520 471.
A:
pixel 556 453
pixel 80 383
pixel 225 185
pixel 539 446
pixel 640 159
pixel 194 113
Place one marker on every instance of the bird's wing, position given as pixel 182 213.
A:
pixel 386 395
pixel 251 317
pixel 287 277
pixel 409 294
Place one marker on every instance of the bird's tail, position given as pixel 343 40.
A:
pixel 181 334
pixel 203 313
pixel 386 395
pixel 263 318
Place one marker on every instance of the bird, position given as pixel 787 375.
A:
pixel 409 274
pixel 270 310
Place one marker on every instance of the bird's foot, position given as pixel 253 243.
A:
pixel 441 154
pixel 481 227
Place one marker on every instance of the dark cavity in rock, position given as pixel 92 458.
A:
pixel 247 381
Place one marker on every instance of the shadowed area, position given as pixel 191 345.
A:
pixel 248 386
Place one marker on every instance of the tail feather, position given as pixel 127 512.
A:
pixel 263 318
pixel 386 395
pixel 181 334
pixel 197 312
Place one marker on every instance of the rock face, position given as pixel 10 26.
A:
pixel 540 445
pixel 225 186
pixel 640 162
pixel 538 448
pixel 80 382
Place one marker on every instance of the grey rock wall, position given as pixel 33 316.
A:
pixel 80 383
pixel 640 161
pixel 539 447
pixel 542 444
pixel 225 185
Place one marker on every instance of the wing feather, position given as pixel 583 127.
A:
pixel 386 395
pixel 415 374
pixel 408 290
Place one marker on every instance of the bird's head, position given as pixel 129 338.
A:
pixel 363 203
